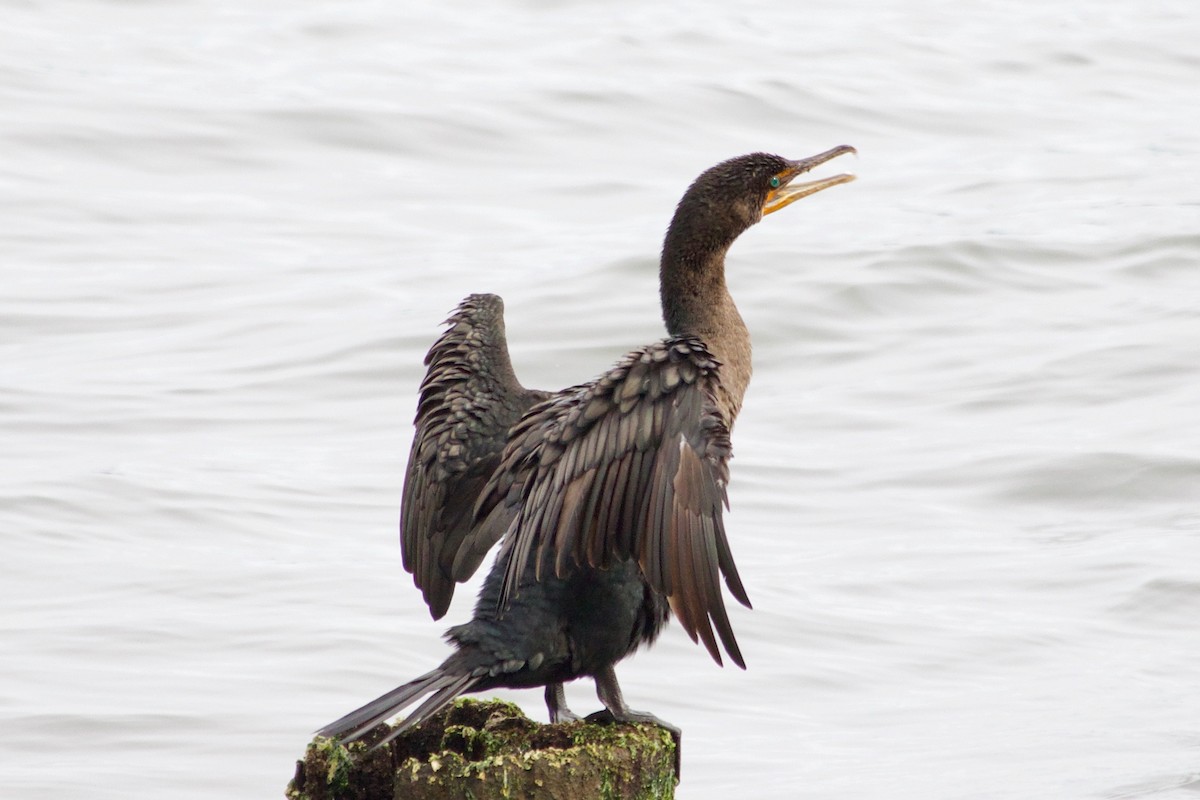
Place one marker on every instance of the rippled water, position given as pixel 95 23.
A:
pixel 965 495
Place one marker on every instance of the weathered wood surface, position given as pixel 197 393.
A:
pixel 492 751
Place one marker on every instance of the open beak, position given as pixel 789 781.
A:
pixel 788 192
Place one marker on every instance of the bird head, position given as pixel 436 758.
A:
pixel 735 194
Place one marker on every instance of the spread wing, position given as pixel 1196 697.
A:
pixel 469 400
pixel 633 465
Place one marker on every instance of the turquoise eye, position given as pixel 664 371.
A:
pixel 774 183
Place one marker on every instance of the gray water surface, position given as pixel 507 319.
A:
pixel 966 492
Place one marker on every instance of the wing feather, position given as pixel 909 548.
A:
pixel 631 466
pixel 469 400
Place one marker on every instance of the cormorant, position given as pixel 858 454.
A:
pixel 607 495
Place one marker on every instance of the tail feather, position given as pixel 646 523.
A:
pixel 444 686
pixel 433 704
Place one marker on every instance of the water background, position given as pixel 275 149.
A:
pixel 966 491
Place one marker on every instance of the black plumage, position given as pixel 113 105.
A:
pixel 607 496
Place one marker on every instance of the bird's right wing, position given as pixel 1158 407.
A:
pixel 633 465
pixel 469 400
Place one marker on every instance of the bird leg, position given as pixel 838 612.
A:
pixel 556 703
pixel 609 692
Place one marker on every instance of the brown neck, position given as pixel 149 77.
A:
pixel 696 301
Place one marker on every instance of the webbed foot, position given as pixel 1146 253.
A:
pixel 615 710
pixel 556 704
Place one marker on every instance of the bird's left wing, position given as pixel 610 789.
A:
pixel 469 399
pixel 633 465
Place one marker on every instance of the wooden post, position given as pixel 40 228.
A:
pixel 491 750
